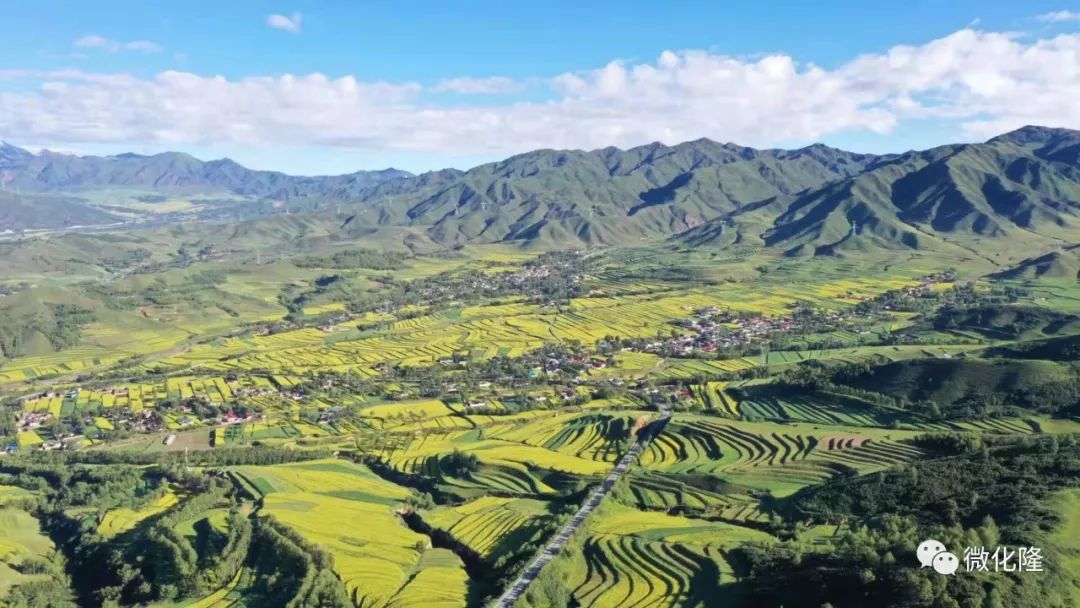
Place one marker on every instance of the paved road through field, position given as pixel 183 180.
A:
pixel 514 591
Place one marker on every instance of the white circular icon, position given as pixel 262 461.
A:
pixel 946 563
pixel 927 550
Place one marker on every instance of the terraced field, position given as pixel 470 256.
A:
pixel 709 482
pixel 486 524
pixel 697 496
pixel 350 512
pixel 439 581
pixel 631 558
pixel 21 540
pixel 715 397
pixel 507 329
pixel 767 403
pixel 122 519
pixel 514 480
pixel 627 571
pixel 136 397
pixel 423 454
pixel 13 493
pixel 1067 506
pixel 780 458
pixel 600 436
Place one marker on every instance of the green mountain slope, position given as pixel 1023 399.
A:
pixel 1017 193
pixel 1063 348
pixel 1064 263
pixel 23 211
pixel 1021 187
pixel 614 196
pixel 1007 322
pixel 976 386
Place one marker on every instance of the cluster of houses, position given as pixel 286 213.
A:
pixel 29 421
pixel 926 283
pixel 142 421
pixel 712 329
pixel 528 281
pixel 32 421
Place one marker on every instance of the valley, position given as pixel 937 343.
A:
pixel 689 375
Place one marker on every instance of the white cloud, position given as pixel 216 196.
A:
pixel 495 85
pixel 93 41
pixel 1059 16
pixel 144 46
pixel 288 23
pixel 977 83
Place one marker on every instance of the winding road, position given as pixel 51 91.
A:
pixel 548 553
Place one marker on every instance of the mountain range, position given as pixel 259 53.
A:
pixel 1019 187
pixel 168 172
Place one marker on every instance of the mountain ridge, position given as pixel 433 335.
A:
pixel 165 171
pixel 814 200
pixel 1014 186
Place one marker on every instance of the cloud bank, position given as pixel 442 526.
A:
pixel 980 83
pixel 494 85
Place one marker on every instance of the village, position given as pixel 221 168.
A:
pixel 75 429
pixel 552 376
pixel 715 332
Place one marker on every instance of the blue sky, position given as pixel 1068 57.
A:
pixel 87 76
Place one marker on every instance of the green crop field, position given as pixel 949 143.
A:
pixel 778 458
pixel 379 556
pixel 21 541
pixel 487 524
pixel 1067 506
pixel 634 558
pixel 119 520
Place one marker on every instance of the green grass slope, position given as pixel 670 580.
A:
pixel 1064 348
pixel 1007 322
pixel 987 197
pixel 1061 264
pixel 976 386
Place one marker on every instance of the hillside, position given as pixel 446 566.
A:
pixel 976 387
pixel 602 196
pixel 1001 322
pixel 1064 263
pixel 23 211
pixel 1062 348
pixel 613 196
pixel 1021 186
pixel 1017 192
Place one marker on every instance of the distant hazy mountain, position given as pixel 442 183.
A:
pixel 172 172
pixel 12 157
pixel 28 211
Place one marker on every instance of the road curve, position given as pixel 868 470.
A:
pixel 548 553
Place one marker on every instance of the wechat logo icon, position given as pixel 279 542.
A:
pixel 932 554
